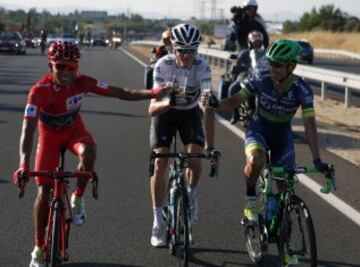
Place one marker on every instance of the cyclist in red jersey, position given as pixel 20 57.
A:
pixel 55 101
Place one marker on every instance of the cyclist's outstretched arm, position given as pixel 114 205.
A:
pixel 311 136
pixel 157 107
pixel 229 104
pixel 134 94
pixel 26 140
pixel 209 118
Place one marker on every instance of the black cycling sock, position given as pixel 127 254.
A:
pixel 250 189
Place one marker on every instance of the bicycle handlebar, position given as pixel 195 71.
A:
pixel 213 155
pixel 62 174
pixel 59 175
pixel 329 175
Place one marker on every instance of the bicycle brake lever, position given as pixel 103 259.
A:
pixel 330 181
pixel 95 182
pixel 330 186
pixel 21 186
pixel 21 191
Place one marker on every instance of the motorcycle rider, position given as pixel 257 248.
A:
pixel 248 61
pixel 246 19
pixel 159 51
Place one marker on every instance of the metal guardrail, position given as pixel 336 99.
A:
pixel 337 54
pixel 346 80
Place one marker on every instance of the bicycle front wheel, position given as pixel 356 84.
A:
pixel 181 211
pixel 55 236
pixel 297 242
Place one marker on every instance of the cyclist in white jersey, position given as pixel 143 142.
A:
pixel 189 75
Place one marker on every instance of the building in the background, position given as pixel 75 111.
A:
pixel 92 15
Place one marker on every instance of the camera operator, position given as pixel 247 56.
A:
pixel 245 20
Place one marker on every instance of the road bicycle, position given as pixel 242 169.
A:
pixel 58 225
pixel 177 212
pixel 288 223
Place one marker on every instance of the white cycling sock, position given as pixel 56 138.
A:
pixel 158 218
pixel 191 192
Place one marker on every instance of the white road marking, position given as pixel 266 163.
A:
pixel 333 200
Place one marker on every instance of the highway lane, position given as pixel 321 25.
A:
pixel 118 226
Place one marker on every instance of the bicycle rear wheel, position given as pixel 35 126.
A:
pixel 181 211
pixel 55 236
pixel 297 239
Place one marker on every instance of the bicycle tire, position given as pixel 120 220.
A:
pixel 297 234
pixel 182 231
pixel 256 242
pixel 55 236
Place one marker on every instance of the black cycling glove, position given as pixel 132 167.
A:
pixel 321 166
pixel 213 102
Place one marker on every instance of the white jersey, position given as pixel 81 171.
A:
pixel 193 79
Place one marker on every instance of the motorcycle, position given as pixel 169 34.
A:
pixel 256 61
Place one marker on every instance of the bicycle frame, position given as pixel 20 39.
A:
pixel 287 176
pixel 57 225
pixel 177 192
pixel 277 230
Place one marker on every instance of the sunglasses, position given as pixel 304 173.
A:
pixel 277 65
pixel 186 50
pixel 65 67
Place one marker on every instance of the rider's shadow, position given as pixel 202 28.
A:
pixel 270 260
pixel 97 264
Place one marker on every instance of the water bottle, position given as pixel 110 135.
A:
pixel 171 204
pixel 270 208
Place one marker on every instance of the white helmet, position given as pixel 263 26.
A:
pixel 185 35
pixel 249 3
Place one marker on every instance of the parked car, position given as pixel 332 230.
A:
pixel 98 42
pixel 12 42
pixel 30 39
pixel 68 37
pixel 307 51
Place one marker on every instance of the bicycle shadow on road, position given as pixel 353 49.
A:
pixel 97 264
pixel 270 260
pixel 323 263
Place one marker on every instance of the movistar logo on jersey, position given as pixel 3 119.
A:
pixel 30 110
pixel 102 85
pixel 74 102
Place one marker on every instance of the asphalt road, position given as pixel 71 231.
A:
pixel 118 226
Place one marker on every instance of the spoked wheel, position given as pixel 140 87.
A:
pixel 256 242
pixel 181 246
pixel 55 236
pixel 297 242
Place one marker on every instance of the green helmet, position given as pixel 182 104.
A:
pixel 283 50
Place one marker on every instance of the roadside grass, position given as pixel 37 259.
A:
pixel 332 40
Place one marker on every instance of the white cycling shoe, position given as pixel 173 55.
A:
pixel 37 258
pixel 158 236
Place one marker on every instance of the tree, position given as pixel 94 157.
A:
pixel 327 18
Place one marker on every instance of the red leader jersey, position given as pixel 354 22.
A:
pixel 56 106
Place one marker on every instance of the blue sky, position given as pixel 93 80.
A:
pixel 182 8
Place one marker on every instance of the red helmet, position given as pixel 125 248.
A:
pixel 63 50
